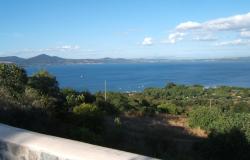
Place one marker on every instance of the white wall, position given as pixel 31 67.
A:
pixel 20 144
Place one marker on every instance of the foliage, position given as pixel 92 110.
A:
pixel 73 98
pixel 117 121
pixel 88 97
pixel 41 105
pixel 44 83
pixel 43 92
pixel 119 101
pixel 13 78
pixel 89 116
pixel 213 119
pixel 33 98
pixel 168 108
pixel 241 107
pixel 231 145
pixel 204 117
pixel 105 106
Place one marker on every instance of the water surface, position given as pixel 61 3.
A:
pixel 136 77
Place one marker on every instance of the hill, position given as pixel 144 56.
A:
pixel 44 59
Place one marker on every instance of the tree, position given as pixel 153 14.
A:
pixel 47 93
pixel 73 98
pixel 44 83
pixel 119 101
pixel 13 78
pixel 105 106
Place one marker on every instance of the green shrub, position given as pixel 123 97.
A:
pixel 168 108
pixel 147 110
pixel 117 121
pixel 213 119
pixel 13 78
pixel 74 100
pixel 32 98
pixel 242 122
pixel 241 107
pixel 105 106
pixel 231 145
pixel 86 109
pixel 44 83
pixel 88 115
pixel 204 117
pixel 119 101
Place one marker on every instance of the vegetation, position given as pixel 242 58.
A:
pixel 229 145
pixel 136 122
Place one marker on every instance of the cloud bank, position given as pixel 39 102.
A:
pixel 206 31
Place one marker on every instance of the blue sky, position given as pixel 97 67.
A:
pixel 125 28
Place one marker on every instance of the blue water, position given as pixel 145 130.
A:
pixel 136 77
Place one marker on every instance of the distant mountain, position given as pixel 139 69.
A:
pixel 12 59
pixel 44 59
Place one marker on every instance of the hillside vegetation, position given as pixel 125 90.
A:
pixel 174 122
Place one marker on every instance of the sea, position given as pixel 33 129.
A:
pixel 138 76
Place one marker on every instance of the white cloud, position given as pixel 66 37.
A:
pixel 188 25
pixel 239 24
pixel 147 41
pixel 236 22
pixel 69 47
pixel 230 23
pixel 174 37
pixel 64 48
pixel 245 33
pixel 205 38
pixel 236 42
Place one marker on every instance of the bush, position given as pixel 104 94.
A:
pixel 90 116
pixel 44 83
pixel 204 117
pixel 168 108
pixel 13 78
pixel 86 110
pixel 119 101
pixel 147 110
pixel 7 99
pixel 213 119
pixel 117 121
pixel 231 145
pixel 72 98
pixel 106 106
pixel 241 107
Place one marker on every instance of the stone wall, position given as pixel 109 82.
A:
pixel 10 151
pixel 20 144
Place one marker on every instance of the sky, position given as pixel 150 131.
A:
pixel 173 29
